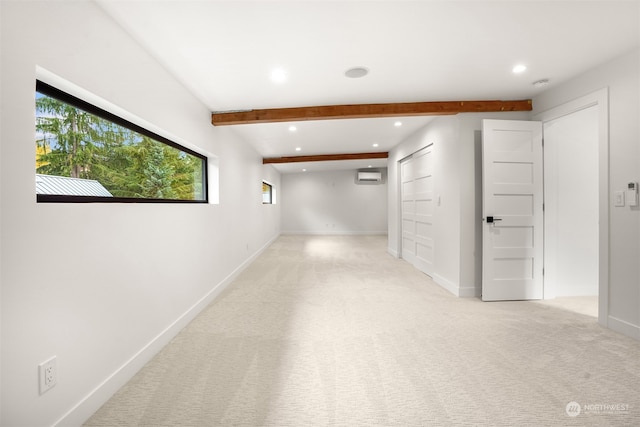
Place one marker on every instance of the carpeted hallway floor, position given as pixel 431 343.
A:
pixel 333 331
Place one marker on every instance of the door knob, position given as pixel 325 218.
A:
pixel 491 219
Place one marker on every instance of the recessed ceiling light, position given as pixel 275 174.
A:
pixel 397 124
pixel 519 68
pixel 369 166
pixel 304 170
pixel 298 148
pixel 356 72
pixel 376 145
pixel 278 75
pixel 292 128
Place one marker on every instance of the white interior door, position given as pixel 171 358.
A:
pixel 417 209
pixel 512 175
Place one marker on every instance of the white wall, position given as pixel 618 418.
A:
pixel 571 181
pixel 437 132
pixel 332 203
pixel 270 215
pixel 622 77
pixel 105 286
pixel 443 134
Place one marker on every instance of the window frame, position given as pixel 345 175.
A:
pixel 60 95
pixel 270 202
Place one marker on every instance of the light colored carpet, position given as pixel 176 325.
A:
pixel 582 305
pixel 333 331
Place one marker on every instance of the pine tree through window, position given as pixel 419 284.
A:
pixel 85 154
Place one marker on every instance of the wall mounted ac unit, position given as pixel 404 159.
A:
pixel 369 176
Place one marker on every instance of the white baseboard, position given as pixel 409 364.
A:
pixel 459 291
pixel 393 252
pixel 469 292
pixel 336 233
pixel 446 284
pixel 82 411
pixel 624 327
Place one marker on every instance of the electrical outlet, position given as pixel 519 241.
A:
pixel 48 372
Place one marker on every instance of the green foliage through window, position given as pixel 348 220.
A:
pixel 77 140
pixel 267 193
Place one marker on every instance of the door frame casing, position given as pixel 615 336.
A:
pixel 598 98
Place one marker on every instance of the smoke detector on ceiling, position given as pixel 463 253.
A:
pixel 356 72
pixel 541 83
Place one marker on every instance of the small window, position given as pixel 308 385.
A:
pixel 267 193
pixel 86 154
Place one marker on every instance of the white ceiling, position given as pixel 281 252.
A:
pixel 225 51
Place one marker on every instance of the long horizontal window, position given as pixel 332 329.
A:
pixel 87 154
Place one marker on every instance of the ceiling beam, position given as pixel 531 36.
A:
pixel 325 157
pixel 357 111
